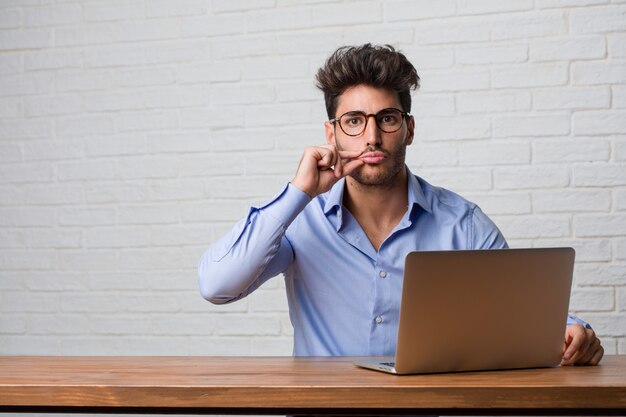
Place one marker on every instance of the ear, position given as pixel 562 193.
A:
pixel 410 123
pixel 329 130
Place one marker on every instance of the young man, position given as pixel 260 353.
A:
pixel 340 230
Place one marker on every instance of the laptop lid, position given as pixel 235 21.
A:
pixel 483 309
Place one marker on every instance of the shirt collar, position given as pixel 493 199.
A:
pixel 334 197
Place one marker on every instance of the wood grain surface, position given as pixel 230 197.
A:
pixel 277 385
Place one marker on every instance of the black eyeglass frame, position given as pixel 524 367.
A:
pixel 404 115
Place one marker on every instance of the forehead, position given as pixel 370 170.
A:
pixel 367 99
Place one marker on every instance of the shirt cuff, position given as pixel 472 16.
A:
pixel 286 206
pixel 575 320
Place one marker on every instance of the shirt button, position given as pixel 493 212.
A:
pixel 382 274
pixel 379 319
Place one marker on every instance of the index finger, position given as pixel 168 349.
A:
pixel 349 154
pixel 578 338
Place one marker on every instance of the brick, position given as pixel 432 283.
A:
pixel 235 187
pixel 146 167
pixel 26 129
pixel 114 11
pixel 176 52
pixel 12 238
pixel 577 149
pixel 430 57
pixel 216 210
pixel 599 122
pixel 52 105
pixel 621 299
pixel 178 189
pixel 53 194
pixel 26 84
pixel 502 203
pixel 180 142
pixel 467 179
pixel 10 108
pixel 492 54
pixel 619 150
pixel 56 281
pixel 226 24
pixel 86 170
pixel 121 144
pixel 120 325
pixel 10 64
pixel 277 114
pixel 493 6
pixel 247 325
pixel 11 324
pixel 343 14
pixel 182 324
pixel 569 48
pixel 619 96
pixel 529 177
pixel 57 15
pixel 10 19
pixel 531 75
pixel 83 80
pixel 482 102
pixel 91 302
pixel 209 165
pixel 620 199
pixel 134 121
pixel 599 175
pixel 425 105
pixel 52 59
pixel 144 77
pixel 244 93
pixel 284 163
pixel 241 5
pixel 457 80
pixel 426 154
pixel 178 97
pixel 493 153
pixel 587 250
pixel 571 201
pixel 26 172
pixel 217 346
pixel 592 73
pixel 149 259
pixel 12 281
pixel 543 4
pixel 84 260
pixel 454 128
pixel 10 153
pixel 272 346
pixel 227 70
pixel 600 274
pixel 273 68
pixel 572 98
pixel 115 237
pixel 294 91
pixel 617 45
pixel 278 19
pixel 26 39
pixel 28 259
pixel 30 302
pixel 596 225
pixel 395 10
pixel 160 8
pixel 55 238
pixel 529 25
pixel 29 345
pixel 86 216
pixel 294 137
pixel 128 192
pixel 451 30
pixel 61 324
pixel 534 226
pixel 355 35
pixel 27 217
pixel 608 324
pixel 597 20
pixel 531 125
pixel 592 299
pixel 84 125
pixel 147 214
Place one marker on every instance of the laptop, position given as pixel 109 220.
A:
pixel 470 310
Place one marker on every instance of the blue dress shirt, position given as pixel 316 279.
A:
pixel 344 296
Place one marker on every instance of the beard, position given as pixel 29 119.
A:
pixel 383 175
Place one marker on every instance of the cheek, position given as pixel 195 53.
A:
pixel 347 144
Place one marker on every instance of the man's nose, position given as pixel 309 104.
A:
pixel 372 133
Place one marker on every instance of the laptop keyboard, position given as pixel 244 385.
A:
pixel 392 364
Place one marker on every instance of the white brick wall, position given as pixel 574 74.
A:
pixel 134 133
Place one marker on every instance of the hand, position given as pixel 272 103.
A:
pixel 322 166
pixel 581 347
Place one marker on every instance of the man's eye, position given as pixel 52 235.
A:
pixel 354 121
pixel 388 119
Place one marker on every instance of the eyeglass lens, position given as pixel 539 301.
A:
pixel 354 123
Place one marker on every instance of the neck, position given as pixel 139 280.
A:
pixel 382 204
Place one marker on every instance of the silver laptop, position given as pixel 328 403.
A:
pixel 481 310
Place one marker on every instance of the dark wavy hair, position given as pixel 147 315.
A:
pixel 376 66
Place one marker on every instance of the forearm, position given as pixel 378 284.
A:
pixel 254 251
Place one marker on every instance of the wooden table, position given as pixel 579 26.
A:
pixel 285 385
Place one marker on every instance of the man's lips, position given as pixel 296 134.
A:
pixel 372 157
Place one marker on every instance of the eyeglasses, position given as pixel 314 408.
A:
pixel 353 123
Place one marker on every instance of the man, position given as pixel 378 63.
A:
pixel 340 230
